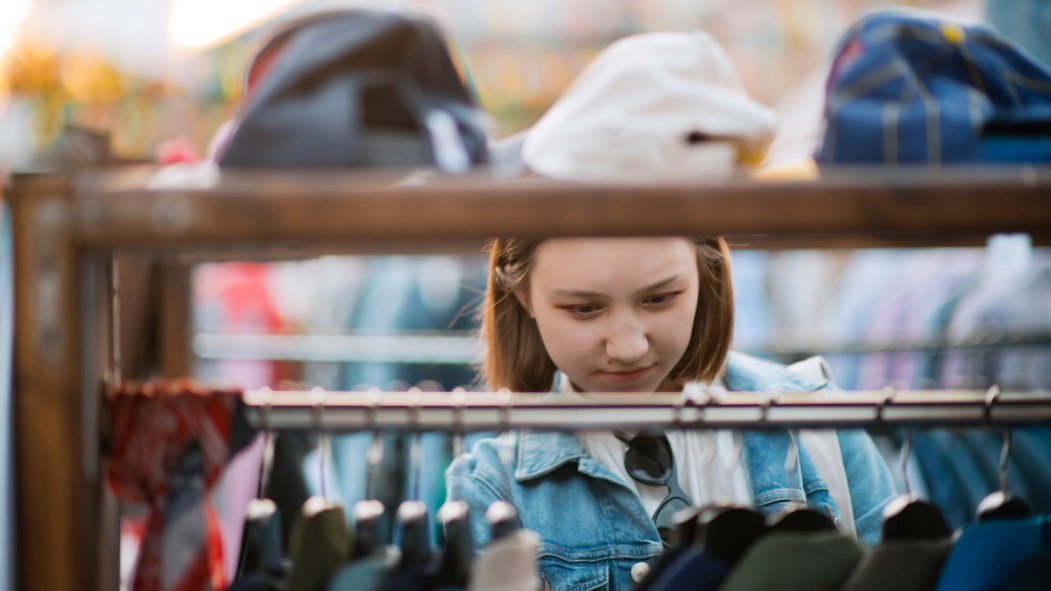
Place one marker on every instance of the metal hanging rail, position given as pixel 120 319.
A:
pixel 461 411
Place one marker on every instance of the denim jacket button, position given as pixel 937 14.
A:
pixel 639 570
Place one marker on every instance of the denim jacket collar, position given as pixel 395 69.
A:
pixel 543 452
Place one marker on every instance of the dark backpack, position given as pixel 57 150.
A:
pixel 360 89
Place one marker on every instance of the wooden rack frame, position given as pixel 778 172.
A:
pixel 69 228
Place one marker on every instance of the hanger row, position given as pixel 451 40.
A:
pixel 461 411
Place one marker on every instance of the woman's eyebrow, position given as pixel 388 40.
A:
pixel 578 293
pixel 583 293
pixel 658 285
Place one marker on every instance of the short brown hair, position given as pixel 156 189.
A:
pixel 515 355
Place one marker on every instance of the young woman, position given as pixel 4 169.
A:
pixel 578 315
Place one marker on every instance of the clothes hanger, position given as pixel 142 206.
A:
pixel 727 531
pixel 261 549
pixel 1001 504
pixel 413 518
pixel 907 517
pixel 458 553
pixel 368 513
pixel 321 539
pixel 374 561
pixel 502 519
pixel 413 521
pixel 368 534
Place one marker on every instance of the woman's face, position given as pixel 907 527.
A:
pixel 615 314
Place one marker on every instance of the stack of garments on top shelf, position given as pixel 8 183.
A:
pixel 910 87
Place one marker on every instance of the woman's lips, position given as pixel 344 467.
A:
pixel 621 377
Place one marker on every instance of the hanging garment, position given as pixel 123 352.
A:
pixel 901 566
pixel 171 441
pixel 1031 447
pixel 987 553
pixel 258 581
pixel 694 570
pixel 368 573
pixel 790 561
pixel 946 487
pixel 1034 574
pixel 1015 303
pixel 320 543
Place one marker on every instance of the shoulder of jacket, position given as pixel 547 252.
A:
pixel 492 454
pixel 749 373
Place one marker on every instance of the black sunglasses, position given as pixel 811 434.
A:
pixel 649 460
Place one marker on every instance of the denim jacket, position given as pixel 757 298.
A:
pixel 594 529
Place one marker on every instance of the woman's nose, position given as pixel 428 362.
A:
pixel 626 341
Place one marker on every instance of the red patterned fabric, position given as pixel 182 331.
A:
pixel 169 444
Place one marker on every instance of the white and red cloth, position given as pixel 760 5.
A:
pixel 169 444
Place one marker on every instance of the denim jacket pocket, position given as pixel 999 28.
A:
pixel 560 572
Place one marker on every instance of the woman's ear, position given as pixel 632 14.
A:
pixel 523 300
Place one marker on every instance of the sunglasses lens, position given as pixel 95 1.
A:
pixel 649 459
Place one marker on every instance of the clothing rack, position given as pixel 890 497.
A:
pixel 318 410
pixel 69 230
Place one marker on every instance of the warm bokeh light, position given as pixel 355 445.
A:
pixel 11 19
pixel 198 24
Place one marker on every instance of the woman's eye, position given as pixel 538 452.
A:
pixel 582 309
pixel 660 299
